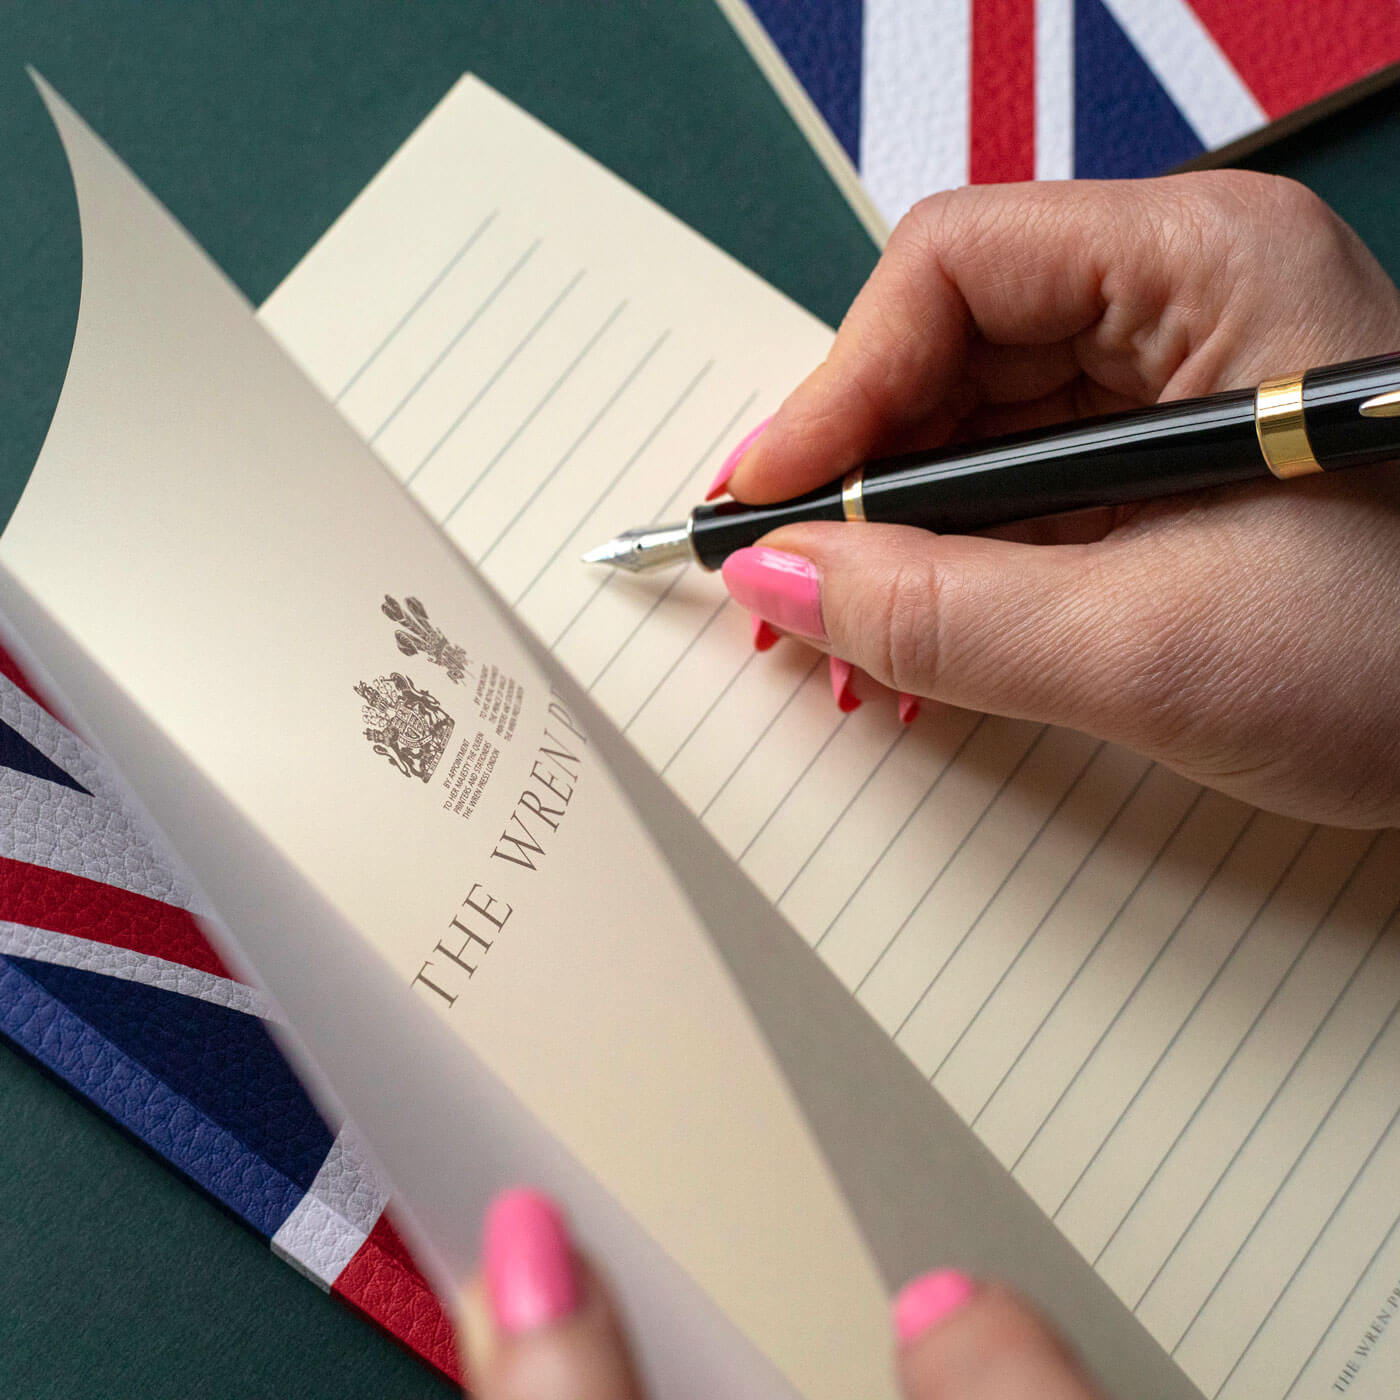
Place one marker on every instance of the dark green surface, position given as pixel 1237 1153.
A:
pixel 257 124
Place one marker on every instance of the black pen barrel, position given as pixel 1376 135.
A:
pixel 1160 451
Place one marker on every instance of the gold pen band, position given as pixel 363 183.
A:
pixel 852 497
pixel 1283 432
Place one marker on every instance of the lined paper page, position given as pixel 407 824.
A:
pixel 1173 1017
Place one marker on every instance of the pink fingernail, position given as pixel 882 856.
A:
pixel 841 672
pixel 764 637
pixel 735 457
pixel 782 588
pixel 908 708
pixel 928 1300
pixel 528 1262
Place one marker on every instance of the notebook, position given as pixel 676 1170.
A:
pixel 1169 1017
pixel 901 98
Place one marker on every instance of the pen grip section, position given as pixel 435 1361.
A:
pixel 718 530
pixel 1115 460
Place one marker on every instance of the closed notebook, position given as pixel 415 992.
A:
pixel 903 98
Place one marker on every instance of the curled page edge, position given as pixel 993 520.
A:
pixel 686 1345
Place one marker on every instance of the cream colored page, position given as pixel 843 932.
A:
pixel 208 536
pixel 1171 1016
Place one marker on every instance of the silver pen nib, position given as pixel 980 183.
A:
pixel 651 547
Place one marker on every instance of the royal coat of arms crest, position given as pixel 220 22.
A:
pixel 416 636
pixel 404 724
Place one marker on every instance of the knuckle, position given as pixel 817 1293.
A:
pixel 908 629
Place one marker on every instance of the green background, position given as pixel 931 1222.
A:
pixel 256 123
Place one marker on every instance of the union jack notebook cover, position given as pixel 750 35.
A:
pixel 108 982
pixel 905 97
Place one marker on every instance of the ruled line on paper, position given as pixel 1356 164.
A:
pixel 918 807
pixel 763 733
pixel 950 858
pixel 841 815
pixel 996 894
pixel 457 336
pixel 792 787
pixel 671 669
pixel 1342 1307
pixel 493 379
pixel 545 399
pixel 705 456
pixel 1249 926
pixel 1127 1001
pixel 1044 919
pixel 1098 943
pixel 421 300
pixel 1292 1170
pixel 709 709
pixel 653 433
pixel 1322 1230
pixel 1221 1074
pixel 1262 1115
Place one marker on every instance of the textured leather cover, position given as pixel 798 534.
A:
pixel 107 980
pixel 927 97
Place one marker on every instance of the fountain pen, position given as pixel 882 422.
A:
pixel 1344 415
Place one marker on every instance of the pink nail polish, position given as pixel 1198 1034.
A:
pixel 764 637
pixel 782 588
pixel 928 1300
pixel 841 672
pixel 735 457
pixel 528 1262
pixel 908 708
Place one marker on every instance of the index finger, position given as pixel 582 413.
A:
pixel 979 297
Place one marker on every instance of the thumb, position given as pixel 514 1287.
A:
pixel 959 1341
pixel 1072 634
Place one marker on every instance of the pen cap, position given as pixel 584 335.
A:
pixel 1345 426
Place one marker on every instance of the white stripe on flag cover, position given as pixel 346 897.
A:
pixel 914 100
pixel 66 950
pixel 90 836
pixel 1191 68
pixel 333 1220
pixel 1054 89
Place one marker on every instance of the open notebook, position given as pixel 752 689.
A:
pixel 1170 1017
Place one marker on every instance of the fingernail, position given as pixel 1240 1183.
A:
pixel 735 457
pixel 929 1299
pixel 782 588
pixel 528 1262
pixel 764 636
pixel 841 672
pixel 908 708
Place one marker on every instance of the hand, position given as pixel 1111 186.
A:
pixel 1249 639
pixel 539 1325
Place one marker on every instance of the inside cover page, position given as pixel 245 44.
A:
pixel 1171 1016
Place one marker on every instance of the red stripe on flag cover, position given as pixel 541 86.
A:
pixel 9 668
pixel 38 897
pixel 383 1282
pixel 1292 52
pixel 1002 140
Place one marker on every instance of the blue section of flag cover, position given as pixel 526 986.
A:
pixel 1124 123
pixel 213 1158
pixel 220 1063
pixel 821 41
pixel 18 753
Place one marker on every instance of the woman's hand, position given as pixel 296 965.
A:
pixel 539 1325
pixel 1249 639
